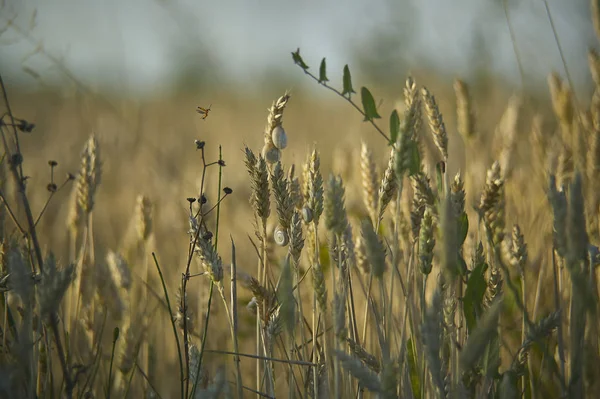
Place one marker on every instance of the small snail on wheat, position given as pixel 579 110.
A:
pixel 281 236
pixel 279 137
pixel 307 214
pixel 271 153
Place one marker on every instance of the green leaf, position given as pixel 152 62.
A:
pixel 369 107
pixel 286 297
pixel 463 228
pixel 323 72
pixel 394 127
pixel 347 82
pixel 324 256
pixel 474 293
pixel 483 341
pixel 491 356
pixel 462 265
pixel 508 386
pixel 414 158
pixel 413 370
pixel 298 60
pixel 440 169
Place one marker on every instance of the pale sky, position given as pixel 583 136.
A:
pixel 134 43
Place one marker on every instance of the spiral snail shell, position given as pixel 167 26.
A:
pixel 281 236
pixel 307 214
pixel 279 137
pixel 271 153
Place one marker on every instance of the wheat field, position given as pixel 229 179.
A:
pixel 441 244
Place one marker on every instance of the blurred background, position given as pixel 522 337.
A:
pixel 140 67
pixel 150 47
pixel 132 72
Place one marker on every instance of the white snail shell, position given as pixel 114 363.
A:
pixel 252 305
pixel 281 236
pixel 307 214
pixel 279 137
pixel 271 154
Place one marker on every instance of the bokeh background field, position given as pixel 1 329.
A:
pixel 132 73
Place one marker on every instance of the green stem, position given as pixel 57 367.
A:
pixel 112 358
pixel 162 280
pixel 210 294
pixel 219 201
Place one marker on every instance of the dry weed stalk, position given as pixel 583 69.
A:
pixel 465 116
pixel 369 181
pixel 436 123
pixel 80 224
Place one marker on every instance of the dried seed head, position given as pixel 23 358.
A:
pixel 375 250
pixel 210 260
pixel 275 117
pixel 577 237
pixel 250 161
pixel 389 185
pixel 465 117
pixel 562 102
pixel 368 359
pixel 493 186
pixel 558 201
pixel 423 198
pixel 313 186
pixel 279 137
pixel 336 219
pixel 339 313
pixel 362 262
pixel 457 195
pixel 54 285
pixel 412 112
pixel 294 188
pixel 260 198
pixel 518 250
pixel 361 372
pixel 130 344
pixel 426 242
pixel 494 286
pixel 369 181
pixel 87 183
pixel 507 132
pixel 144 217
pixel 436 123
pixel 119 269
pixel 320 287
pixel 296 238
pixel 492 204
pixel 283 200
